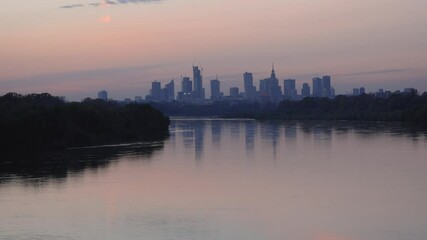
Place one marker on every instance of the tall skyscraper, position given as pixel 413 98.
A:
pixel 156 91
pixel 289 89
pixel 305 91
pixel 250 89
pixel 103 95
pixel 199 91
pixel 269 88
pixel 215 89
pixel 317 87
pixel 326 85
pixel 186 85
pixel 170 91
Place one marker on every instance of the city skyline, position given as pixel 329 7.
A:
pixel 74 51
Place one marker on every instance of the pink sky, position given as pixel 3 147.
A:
pixel 122 48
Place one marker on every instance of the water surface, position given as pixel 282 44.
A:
pixel 228 179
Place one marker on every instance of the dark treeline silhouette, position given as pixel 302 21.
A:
pixel 37 122
pixel 409 107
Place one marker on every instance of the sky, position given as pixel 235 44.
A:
pixel 75 48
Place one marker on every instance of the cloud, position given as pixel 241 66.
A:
pixel 109 2
pixel 393 70
pixel 72 6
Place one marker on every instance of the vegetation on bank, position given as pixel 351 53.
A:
pixel 409 107
pixel 37 122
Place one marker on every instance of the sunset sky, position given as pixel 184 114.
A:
pixel 75 48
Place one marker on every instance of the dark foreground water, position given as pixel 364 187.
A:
pixel 228 179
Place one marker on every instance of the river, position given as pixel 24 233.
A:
pixel 225 179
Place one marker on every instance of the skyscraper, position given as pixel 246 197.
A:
pixel 289 89
pixel 156 93
pixel 326 86
pixel 317 87
pixel 250 89
pixel 270 88
pixel 170 91
pixel 215 89
pixel 186 85
pixel 199 91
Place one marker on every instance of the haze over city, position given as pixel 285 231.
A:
pixel 74 48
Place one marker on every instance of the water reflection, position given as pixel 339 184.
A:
pixel 250 131
pixel 59 165
pixel 268 135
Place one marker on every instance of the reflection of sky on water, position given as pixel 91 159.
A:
pixel 235 179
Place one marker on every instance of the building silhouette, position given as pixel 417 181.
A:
pixel 289 89
pixel 317 87
pixel 305 91
pixel 326 86
pixel 186 89
pixel 215 89
pixel 250 89
pixel 199 91
pixel 169 91
pixel 103 95
pixel 156 92
pixel 234 92
pixel 269 88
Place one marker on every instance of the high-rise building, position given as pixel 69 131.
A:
pixel 215 89
pixel 199 91
pixel 169 91
pixel 103 95
pixel 250 89
pixel 186 85
pixel 156 93
pixel 269 88
pixel 305 91
pixel 317 87
pixel 326 86
pixel 362 90
pixel 289 89
pixel 186 89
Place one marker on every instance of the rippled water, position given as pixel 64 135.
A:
pixel 227 179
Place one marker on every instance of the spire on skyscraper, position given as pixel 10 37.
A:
pixel 273 73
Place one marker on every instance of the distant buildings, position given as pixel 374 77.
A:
pixel 234 92
pixel 317 87
pixel 157 94
pixel 356 92
pixel 305 91
pixel 269 88
pixel 289 89
pixel 322 87
pixel 215 90
pixel 270 91
pixel 103 95
pixel 250 89
pixel 199 91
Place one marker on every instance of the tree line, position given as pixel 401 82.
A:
pixel 37 122
pixel 408 107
